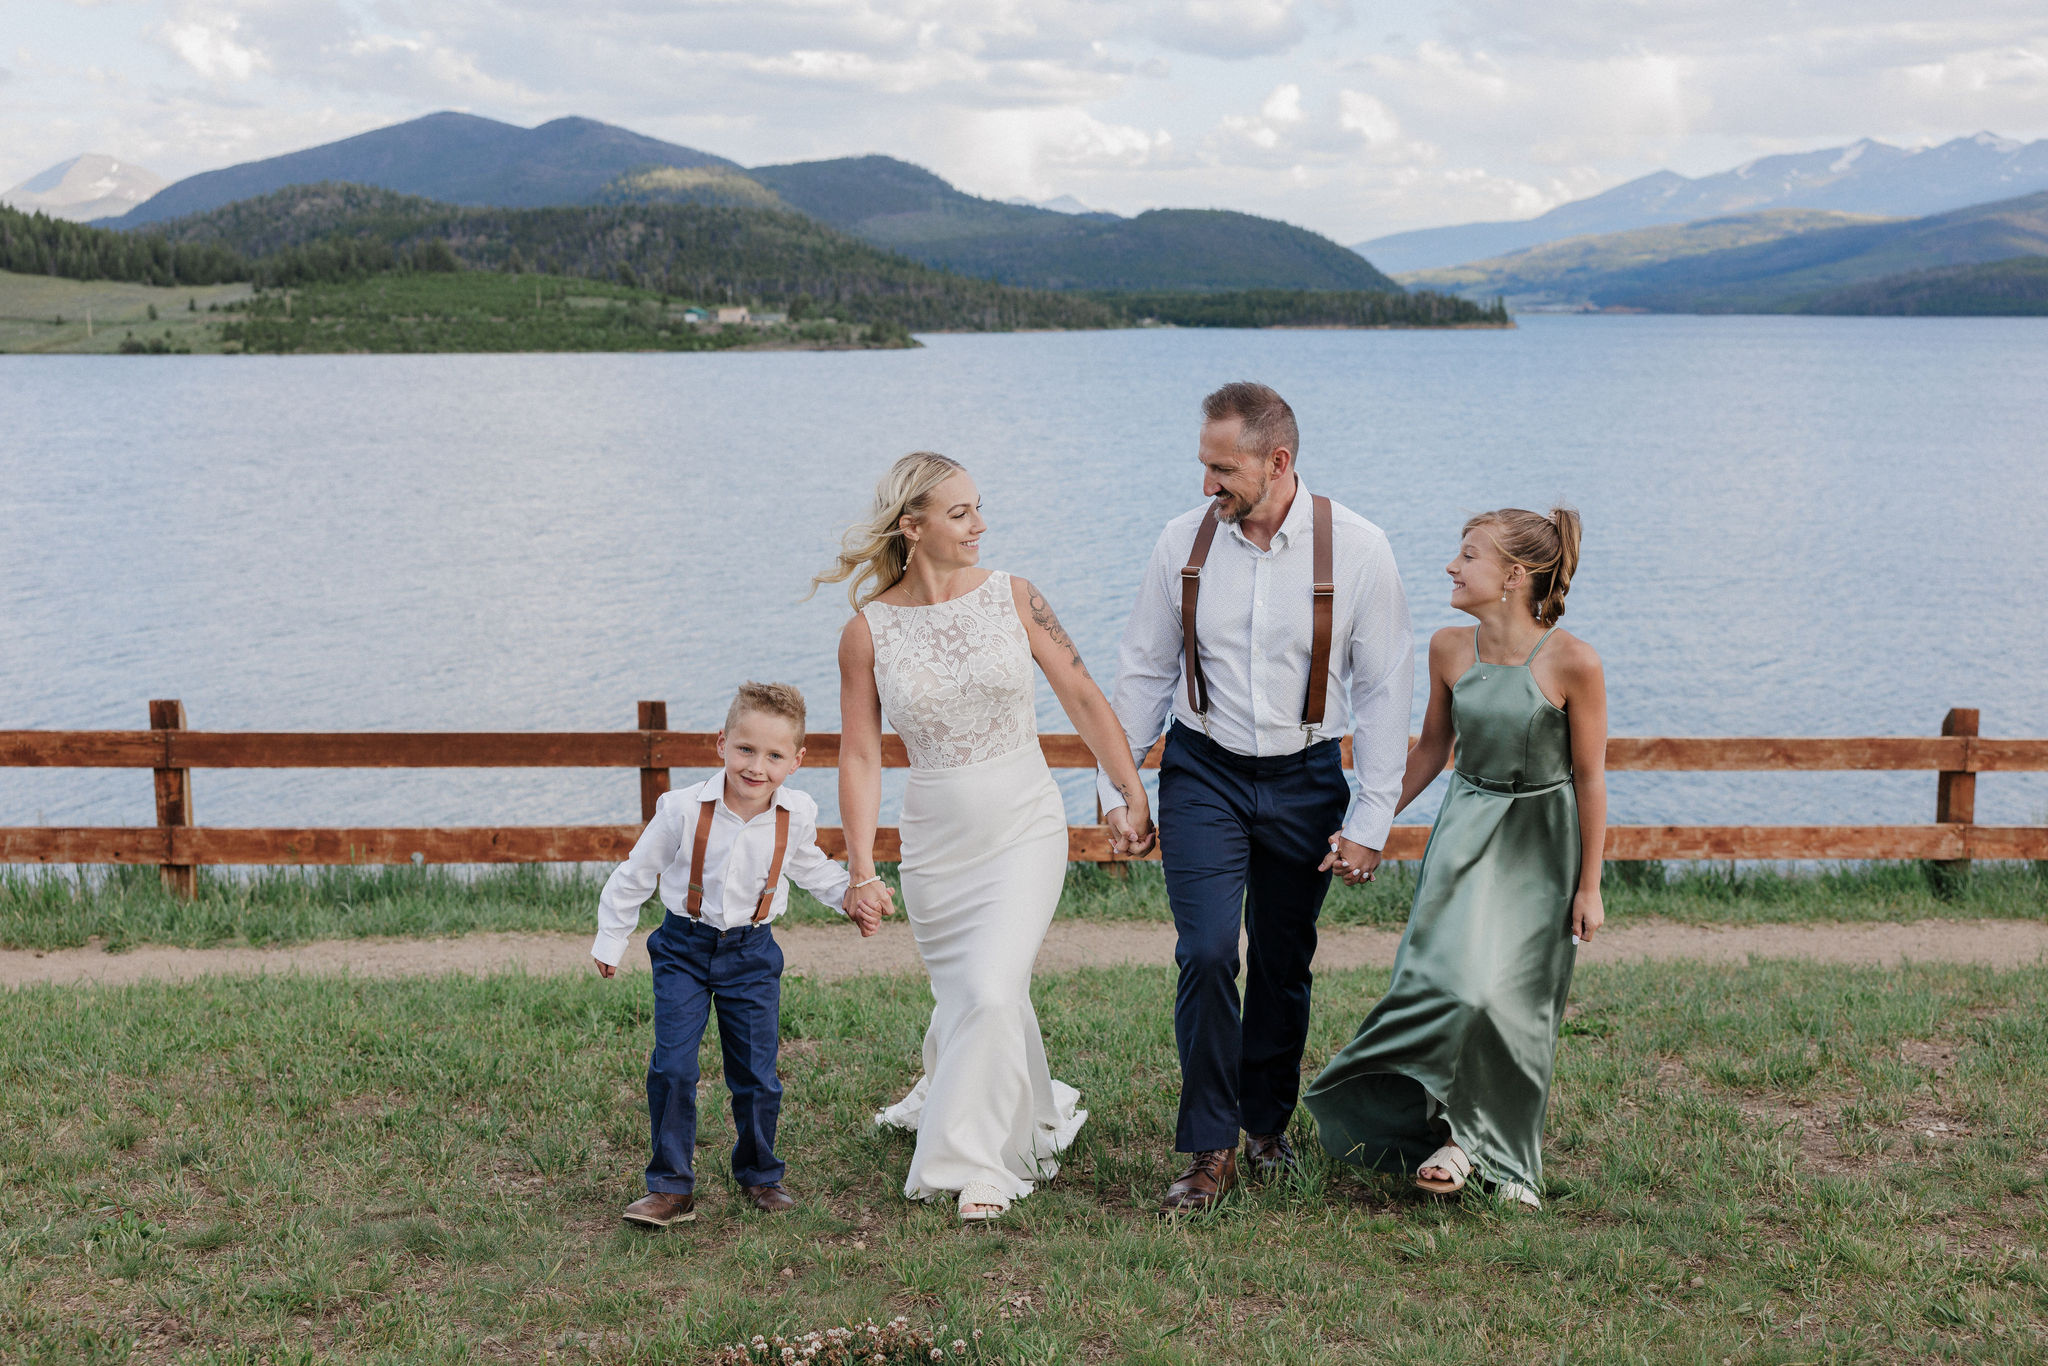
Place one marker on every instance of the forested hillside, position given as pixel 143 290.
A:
pixel 708 253
pixel 906 208
pixel 2014 288
pixel 1778 262
pixel 1582 268
pixel 32 244
pixel 454 158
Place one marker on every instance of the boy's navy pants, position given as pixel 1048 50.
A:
pixel 1242 835
pixel 740 972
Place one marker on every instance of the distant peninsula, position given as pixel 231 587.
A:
pixel 343 268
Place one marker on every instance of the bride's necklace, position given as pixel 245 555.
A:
pixel 916 601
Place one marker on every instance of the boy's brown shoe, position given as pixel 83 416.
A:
pixel 1209 1177
pixel 771 1198
pixel 659 1209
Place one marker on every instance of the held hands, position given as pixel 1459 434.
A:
pixel 1353 862
pixel 604 969
pixel 865 906
pixel 1131 832
pixel 1588 914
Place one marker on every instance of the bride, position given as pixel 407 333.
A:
pixel 945 648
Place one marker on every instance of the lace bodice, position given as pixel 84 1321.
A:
pixel 956 677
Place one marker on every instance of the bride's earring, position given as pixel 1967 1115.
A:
pixel 910 555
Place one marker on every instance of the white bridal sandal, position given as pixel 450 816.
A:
pixel 1516 1192
pixel 1452 1159
pixel 980 1202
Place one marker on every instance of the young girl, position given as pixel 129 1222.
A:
pixel 1450 1073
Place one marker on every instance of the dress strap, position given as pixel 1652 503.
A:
pixel 1532 654
pixel 1476 661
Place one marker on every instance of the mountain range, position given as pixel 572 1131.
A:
pixel 464 160
pixel 84 188
pixel 1864 177
pixel 1780 260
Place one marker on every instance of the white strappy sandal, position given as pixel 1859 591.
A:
pixel 981 1202
pixel 1452 1159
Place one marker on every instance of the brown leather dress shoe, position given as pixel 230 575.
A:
pixel 659 1209
pixel 770 1199
pixel 1270 1156
pixel 1207 1180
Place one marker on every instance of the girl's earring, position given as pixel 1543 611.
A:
pixel 910 554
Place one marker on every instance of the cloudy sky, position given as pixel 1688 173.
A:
pixel 1348 116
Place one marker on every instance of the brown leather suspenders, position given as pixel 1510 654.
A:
pixel 703 842
pixel 1190 594
pixel 1322 622
pixel 1325 612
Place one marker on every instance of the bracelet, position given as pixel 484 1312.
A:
pixel 870 882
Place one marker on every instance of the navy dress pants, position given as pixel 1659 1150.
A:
pixel 740 972
pixel 1241 838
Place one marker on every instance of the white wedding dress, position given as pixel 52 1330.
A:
pixel 984 858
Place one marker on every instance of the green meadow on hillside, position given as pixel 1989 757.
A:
pixel 43 314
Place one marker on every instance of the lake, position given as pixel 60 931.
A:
pixel 1794 526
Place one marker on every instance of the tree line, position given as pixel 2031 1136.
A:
pixel 35 244
pixel 1306 308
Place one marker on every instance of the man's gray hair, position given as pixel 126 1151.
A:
pixel 1268 421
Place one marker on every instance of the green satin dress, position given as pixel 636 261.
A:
pixel 1463 1043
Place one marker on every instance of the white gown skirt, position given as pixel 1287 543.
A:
pixel 984 859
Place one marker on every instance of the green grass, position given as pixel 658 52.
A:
pixel 1774 1163
pixel 127 906
pixel 42 314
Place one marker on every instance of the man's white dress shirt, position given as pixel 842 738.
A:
pixel 1254 624
pixel 736 862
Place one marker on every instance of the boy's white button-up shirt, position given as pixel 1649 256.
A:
pixel 736 859
pixel 1256 626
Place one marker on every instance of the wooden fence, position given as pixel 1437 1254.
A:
pixel 178 845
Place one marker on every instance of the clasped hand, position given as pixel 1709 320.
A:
pixel 865 906
pixel 1131 836
pixel 1351 861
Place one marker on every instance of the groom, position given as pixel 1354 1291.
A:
pixel 1261 615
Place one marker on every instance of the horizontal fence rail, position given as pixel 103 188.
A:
pixel 178 845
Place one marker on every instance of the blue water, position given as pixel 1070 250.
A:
pixel 1795 526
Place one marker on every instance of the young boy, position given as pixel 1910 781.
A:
pixel 718 852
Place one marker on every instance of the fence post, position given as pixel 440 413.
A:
pixel 173 796
pixel 1955 791
pixel 653 781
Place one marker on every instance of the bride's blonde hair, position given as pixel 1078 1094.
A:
pixel 873 554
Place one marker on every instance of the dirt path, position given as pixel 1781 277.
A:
pixel 828 953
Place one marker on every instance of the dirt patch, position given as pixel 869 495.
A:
pixel 1831 1141
pixel 832 952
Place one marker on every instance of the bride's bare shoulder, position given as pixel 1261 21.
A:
pixel 856 639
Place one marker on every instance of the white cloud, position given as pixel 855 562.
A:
pixel 1360 113
pixel 210 48
pixel 1353 119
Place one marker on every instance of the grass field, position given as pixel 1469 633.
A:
pixel 128 906
pixel 41 314
pixel 1775 1163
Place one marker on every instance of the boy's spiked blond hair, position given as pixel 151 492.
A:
pixel 776 699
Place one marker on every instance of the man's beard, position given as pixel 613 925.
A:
pixel 1240 507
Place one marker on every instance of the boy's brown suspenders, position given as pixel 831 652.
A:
pixel 1322 622
pixel 696 898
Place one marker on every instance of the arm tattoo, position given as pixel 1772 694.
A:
pixel 1042 613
